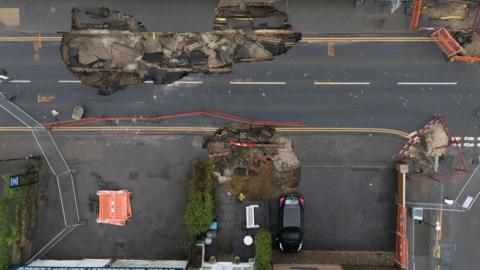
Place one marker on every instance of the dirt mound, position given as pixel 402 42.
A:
pixel 472 48
pixel 450 10
pixel 253 160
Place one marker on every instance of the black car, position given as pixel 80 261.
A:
pixel 290 237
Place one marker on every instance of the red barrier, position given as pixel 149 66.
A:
pixel 206 112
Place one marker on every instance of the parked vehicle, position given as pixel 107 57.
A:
pixel 290 237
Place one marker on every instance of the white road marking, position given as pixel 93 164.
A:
pixel 258 83
pixel 341 83
pixel 468 144
pixel 178 82
pixel 68 81
pixel 469 138
pixel 188 82
pixel 427 83
pixel 20 81
pixel 458 138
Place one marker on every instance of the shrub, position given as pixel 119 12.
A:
pixel 10 223
pixel 200 203
pixel 263 250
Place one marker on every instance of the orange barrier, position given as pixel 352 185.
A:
pixel 416 10
pixel 401 248
pixel 446 42
pixel 205 112
pixel 114 207
pixel 401 257
pixel 465 58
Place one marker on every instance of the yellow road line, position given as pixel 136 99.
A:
pixel 30 38
pixel 303 40
pixel 437 252
pixel 364 39
pixel 212 129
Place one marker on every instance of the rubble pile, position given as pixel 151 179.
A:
pixel 471 46
pixel 425 155
pixel 253 160
pixel 253 14
pixel 108 50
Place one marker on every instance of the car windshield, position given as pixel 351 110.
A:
pixel 291 216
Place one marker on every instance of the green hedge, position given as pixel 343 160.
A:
pixel 263 250
pixel 200 203
pixel 10 206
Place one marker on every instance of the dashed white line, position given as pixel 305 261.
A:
pixel 468 138
pixel 20 81
pixel 258 83
pixel 179 82
pixel 468 144
pixel 341 83
pixel 188 82
pixel 68 81
pixel 427 83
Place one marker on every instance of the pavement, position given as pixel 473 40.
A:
pixel 158 194
pixel 349 192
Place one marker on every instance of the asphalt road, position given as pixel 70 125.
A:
pixel 373 99
pixel 321 16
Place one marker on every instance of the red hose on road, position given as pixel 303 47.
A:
pixel 206 112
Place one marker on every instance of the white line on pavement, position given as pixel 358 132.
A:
pixel 427 83
pixel 188 82
pixel 468 138
pixel 20 81
pixel 68 81
pixel 468 144
pixel 179 82
pixel 341 83
pixel 258 83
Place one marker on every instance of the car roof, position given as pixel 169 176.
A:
pixel 292 216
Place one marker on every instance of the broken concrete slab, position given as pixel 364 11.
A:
pixel 113 51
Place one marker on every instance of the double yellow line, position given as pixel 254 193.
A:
pixel 364 39
pixel 303 40
pixel 197 129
